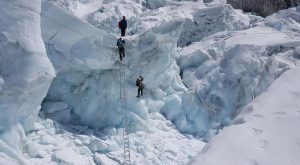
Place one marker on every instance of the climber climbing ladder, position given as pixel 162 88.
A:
pixel 124 116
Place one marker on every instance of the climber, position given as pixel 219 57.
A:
pixel 123 26
pixel 121 44
pixel 140 84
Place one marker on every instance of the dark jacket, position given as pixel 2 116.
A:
pixel 120 43
pixel 123 24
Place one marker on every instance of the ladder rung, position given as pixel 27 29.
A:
pixel 123 101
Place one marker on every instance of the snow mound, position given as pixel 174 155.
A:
pixel 154 146
pixel 103 159
pixel 70 157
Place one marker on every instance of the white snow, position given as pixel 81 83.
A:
pixel 260 36
pixel 25 70
pixel 103 159
pixel 266 131
pixel 25 74
pixel 69 157
pixel 91 89
pixel 207 21
pixel 228 70
pixel 33 150
pixel 202 64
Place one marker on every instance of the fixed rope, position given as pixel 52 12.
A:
pixel 124 116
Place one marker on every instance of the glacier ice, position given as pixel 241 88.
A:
pixel 190 92
pixel 25 71
pixel 24 63
pixel 211 20
pixel 102 159
pixel 230 73
pixel 269 126
pixel 91 89
pixel 215 71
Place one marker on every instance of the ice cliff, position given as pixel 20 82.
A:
pixel 88 71
pixel 25 74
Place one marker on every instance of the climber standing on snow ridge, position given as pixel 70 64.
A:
pixel 139 83
pixel 121 44
pixel 123 26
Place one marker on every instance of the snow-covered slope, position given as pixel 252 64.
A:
pixel 266 132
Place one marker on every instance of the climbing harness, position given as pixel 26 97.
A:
pixel 124 116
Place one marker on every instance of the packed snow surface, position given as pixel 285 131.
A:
pixel 202 63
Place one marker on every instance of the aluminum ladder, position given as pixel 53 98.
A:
pixel 124 116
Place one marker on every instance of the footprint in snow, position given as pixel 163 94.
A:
pixel 262 144
pixel 253 162
pixel 258 116
pixel 256 131
pixel 238 121
pixel 298 113
pixel 278 115
pixel 171 152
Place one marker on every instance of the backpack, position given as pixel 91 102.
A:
pixel 143 86
pixel 120 43
pixel 119 24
